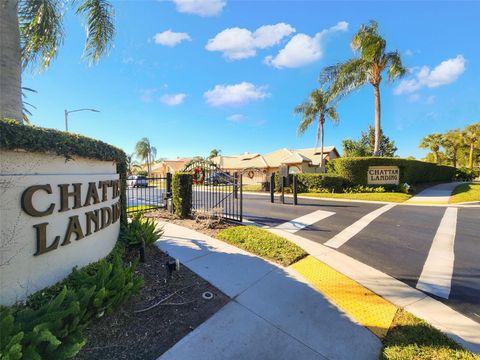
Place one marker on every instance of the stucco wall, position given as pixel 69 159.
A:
pixel 22 269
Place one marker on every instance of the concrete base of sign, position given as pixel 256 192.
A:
pixel 42 236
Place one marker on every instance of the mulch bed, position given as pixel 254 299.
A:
pixel 127 334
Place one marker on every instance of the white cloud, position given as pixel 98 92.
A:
pixel 430 100
pixel 239 43
pixel 237 94
pixel 173 99
pixel 236 118
pixel 303 49
pixel 408 52
pixel 445 73
pixel 414 98
pixel 170 38
pixel 200 7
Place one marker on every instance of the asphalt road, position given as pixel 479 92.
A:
pixel 397 242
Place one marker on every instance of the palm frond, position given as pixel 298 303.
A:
pixel 41 31
pixel 305 124
pixel 333 115
pixel 395 69
pixel 349 76
pixel 26 113
pixel 100 28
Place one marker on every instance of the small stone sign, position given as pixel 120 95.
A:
pixel 381 175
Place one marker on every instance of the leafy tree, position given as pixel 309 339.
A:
pixel 32 32
pixel 452 141
pixel 131 163
pixel 365 145
pixel 146 152
pixel 471 134
pixel 432 142
pixel 214 153
pixel 373 60
pixel 319 105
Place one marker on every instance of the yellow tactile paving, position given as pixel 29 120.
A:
pixel 361 304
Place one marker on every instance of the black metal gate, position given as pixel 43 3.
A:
pixel 147 193
pixel 216 191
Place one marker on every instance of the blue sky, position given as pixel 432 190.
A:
pixel 193 75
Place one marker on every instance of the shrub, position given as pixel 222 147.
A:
pixel 466 174
pixel 182 194
pixel 50 327
pixel 141 229
pixel 411 171
pixel 364 189
pixel 311 182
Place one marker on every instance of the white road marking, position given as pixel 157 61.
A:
pixel 349 232
pixel 304 221
pixel 436 277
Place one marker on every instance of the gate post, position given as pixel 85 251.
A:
pixel 272 187
pixel 241 197
pixel 282 184
pixel 235 185
pixel 295 190
pixel 169 185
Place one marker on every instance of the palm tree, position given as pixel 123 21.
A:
pixel 432 142
pixel 471 135
pixel 145 152
pixel 318 105
pixel 131 163
pixel 214 153
pixel 452 141
pixel 367 68
pixel 32 33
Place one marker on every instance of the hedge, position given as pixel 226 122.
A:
pixel 182 194
pixel 17 136
pixel 411 171
pixel 313 182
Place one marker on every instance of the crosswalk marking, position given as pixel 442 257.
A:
pixel 436 276
pixel 297 224
pixel 349 232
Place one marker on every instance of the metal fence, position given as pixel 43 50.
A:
pixel 147 193
pixel 215 191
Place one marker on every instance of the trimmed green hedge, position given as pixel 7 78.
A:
pixel 411 171
pixel 16 136
pixel 182 194
pixel 312 182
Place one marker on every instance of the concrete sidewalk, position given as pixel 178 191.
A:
pixel 438 194
pixel 274 313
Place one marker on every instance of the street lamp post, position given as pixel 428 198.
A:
pixel 71 111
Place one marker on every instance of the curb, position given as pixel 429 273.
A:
pixel 455 325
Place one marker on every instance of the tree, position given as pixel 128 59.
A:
pixel 214 153
pixel 32 32
pixel 319 105
pixel 365 145
pixel 131 163
pixel 432 142
pixel 146 152
pixel 367 68
pixel 471 134
pixel 452 141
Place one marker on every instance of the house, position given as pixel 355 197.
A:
pixel 257 168
pixel 169 166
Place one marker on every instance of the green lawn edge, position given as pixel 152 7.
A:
pixel 387 197
pixel 465 193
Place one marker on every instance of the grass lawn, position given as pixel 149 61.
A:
pixel 386 196
pixel 410 338
pixel 263 243
pixel 466 192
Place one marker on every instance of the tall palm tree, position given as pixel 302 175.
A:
pixel 452 141
pixel 146 152
pixel 32 32
pixel 471 135
pixel 432 142
pixel 319 105
pixel 373 60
